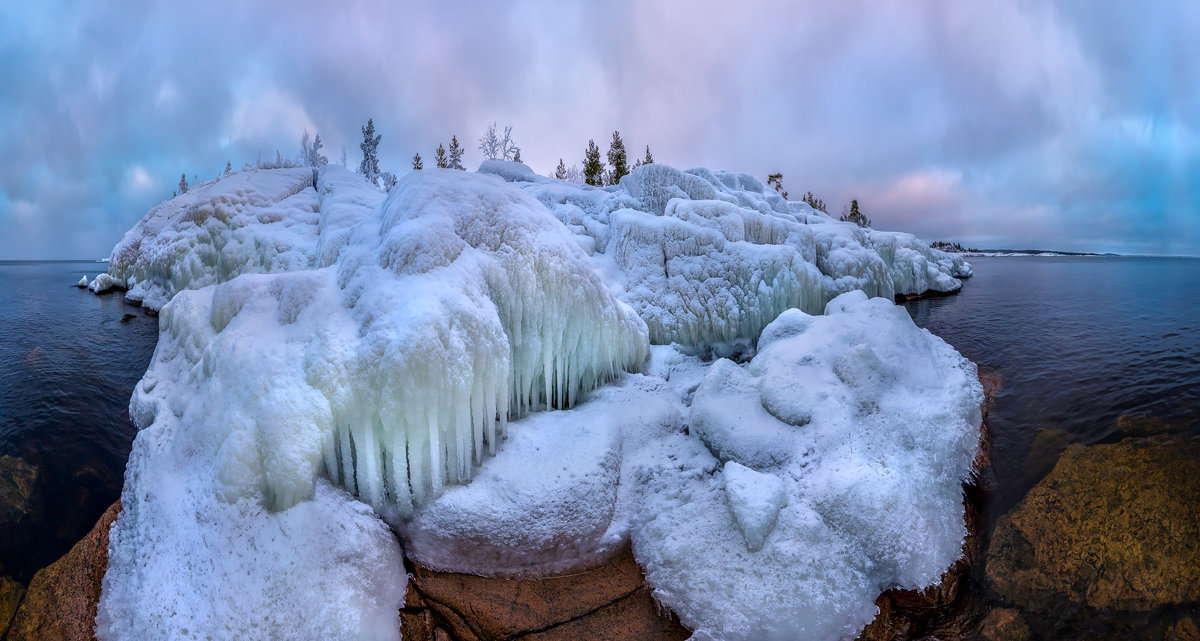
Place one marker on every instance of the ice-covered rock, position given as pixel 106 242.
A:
pixel 103 282
pixel 755 499
pixel 866 423
pixel 316 334
pixel 83 282
pixel 260 220
pixel 708 259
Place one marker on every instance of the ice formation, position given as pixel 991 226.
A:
pixel 315 333
pixel 708 259
pixel 867 424
pixel 102 283
pixel 262 220
pixel 83 282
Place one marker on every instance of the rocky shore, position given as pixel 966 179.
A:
pixel 1104 546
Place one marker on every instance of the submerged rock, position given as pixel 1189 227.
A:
pixel 61 600
pixel 1004 624
pixel 1111 527
pixel 21 507
pixel 11 592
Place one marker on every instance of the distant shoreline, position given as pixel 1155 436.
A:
pixel 994 253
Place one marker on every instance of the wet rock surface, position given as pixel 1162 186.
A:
pixel 60 603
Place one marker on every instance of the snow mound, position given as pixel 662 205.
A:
pixel 261 220
pixel 83 282
pixel 852 433
pixel 103 283
pixel 551 500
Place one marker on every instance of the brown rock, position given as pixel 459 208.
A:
pixel 1004 624
pixel 1184 629
pixel 1111 527
pixel 11 592
pixel 61 601
pixel 610 602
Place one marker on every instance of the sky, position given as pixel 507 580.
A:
pixel 1070 125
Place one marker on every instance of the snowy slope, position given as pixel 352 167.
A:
pixel 475 358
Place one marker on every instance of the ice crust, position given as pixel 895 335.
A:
pixel 870 425
pixel 708 259
pixel 102 283
pixel 451 355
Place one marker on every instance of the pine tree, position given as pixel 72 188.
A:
pixel 814 202
pixel 316 158
pixel 455 154
pixel 617 158
pixel 228 167
pixel 440 157
pixel 183 184
pixel 369 167
pixel 561 172
pixel 776 181
pixel 593 167
pixel 517 155
pixel 649 160
pixel 855 216
pixel 417 162
pixel 388 179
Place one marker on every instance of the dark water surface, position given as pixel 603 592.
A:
pixel 68 365
pixel 1078 342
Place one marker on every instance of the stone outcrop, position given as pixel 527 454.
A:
pixel 60 603
pixel 1113 527
pixel 610 602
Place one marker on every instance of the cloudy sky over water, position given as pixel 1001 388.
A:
pixel 1061 125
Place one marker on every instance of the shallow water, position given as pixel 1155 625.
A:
pixel 68 365
pixel 1078 342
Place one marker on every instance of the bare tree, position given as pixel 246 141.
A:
pixel 499 147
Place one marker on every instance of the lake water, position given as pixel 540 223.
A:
pixel 1076 341
pixel 68 365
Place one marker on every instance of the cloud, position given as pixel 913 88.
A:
pixel 1069 124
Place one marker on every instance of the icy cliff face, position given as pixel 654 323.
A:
pixel 424 352
pixel 709 258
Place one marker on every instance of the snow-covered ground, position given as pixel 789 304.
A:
pixel 511 372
